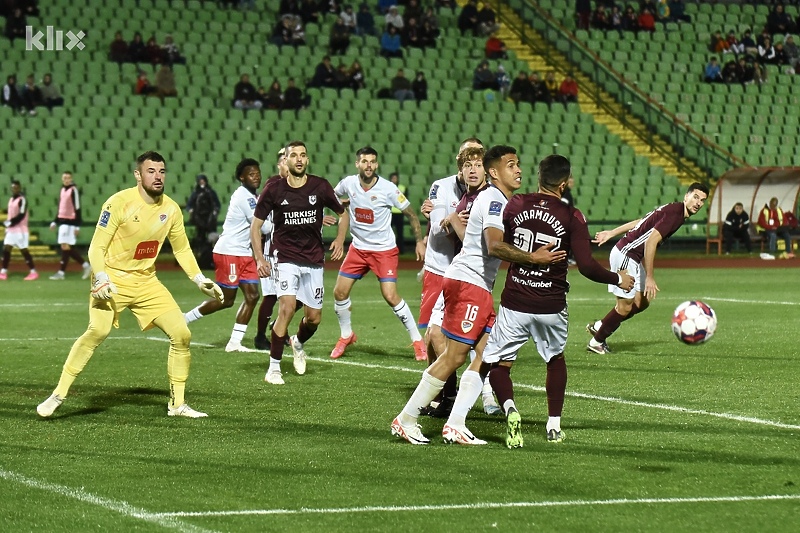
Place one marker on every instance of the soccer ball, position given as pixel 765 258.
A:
pixel 694 322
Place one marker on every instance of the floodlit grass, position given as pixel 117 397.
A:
pixel 659 436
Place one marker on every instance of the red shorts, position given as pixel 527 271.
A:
pixel 359 262
pixel 468 311
pixel 431 287
pixel 234 269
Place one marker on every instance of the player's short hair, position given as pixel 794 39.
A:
pixel 292 144
pixel 281 153
pixel 470 140
pixel 495 153
pixel 16 182
pixel 67 172
pixel 697 186
pixel 243 164
pixel 740 204
pixel 468 154
pixel 553 171
pixel 149 155
pixel 367 150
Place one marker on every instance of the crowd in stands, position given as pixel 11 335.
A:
pixel 137 51
pixel 246 96
pixel 608 15
pixel 27 98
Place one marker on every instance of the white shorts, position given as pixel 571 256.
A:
pixel 512 330
pixel 303 282
pixel 268 284
pixel 437 313
pixel 619 261
pixel 66 234
pixel 17 240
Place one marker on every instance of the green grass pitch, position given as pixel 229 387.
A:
pixel 659 436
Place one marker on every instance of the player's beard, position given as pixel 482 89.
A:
pixel 153 193
pixel 294 172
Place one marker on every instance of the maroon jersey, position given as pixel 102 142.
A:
pixel 297 218
pixel 465 204
pixel 666 219
pixel 531 221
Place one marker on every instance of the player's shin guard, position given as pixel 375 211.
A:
pixel 305 331
pixel 468 392
pixel 556 385
pixel 178 361
pixel 276 345
pixel 427 389
pixel 403 312
pixel 342 310
pixel 500 378
pixel 265 313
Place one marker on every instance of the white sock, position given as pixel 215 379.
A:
pixel 85 264
pixel 554 422
pixel 487 387
pixel 468 391
pixel 508 405
pixel 237 335
pixel 342 310
pixel 426 391
pixel 598 325
pixel 3 271
pixel 274 364
pixel 193 315
pixel 403 312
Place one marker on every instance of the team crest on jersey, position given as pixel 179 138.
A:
pixel 251 202
pixel 162 217
pixel 232 277
pixel 105 216
pixel 494 208
pixel 312 199
pixel 466 326
pixel 373 199
pixel 284 285
pixel 434 192
pixel 453 204
pixel 136 218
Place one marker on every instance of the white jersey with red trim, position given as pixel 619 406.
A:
pixel 444 194
pixel 474 264
pixel 235 238
pixel 371 212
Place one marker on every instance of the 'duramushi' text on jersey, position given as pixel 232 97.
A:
pixel 371 212
pixel 297 218
pixel 531 221
pixel 666 219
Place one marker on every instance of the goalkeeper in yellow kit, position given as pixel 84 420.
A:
pixel 132 228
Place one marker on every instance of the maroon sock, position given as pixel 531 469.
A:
pixel 28 258
pixel 634 310
pixel 276 346
pixel 6 257
pixel 610 324
pixel 500 379
pixel 62 266
pixel 76 256
pixel 556 385
pixel 265 313
pixel 305 331
pixel 450 389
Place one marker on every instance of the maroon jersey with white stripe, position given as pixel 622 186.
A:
pixel 666 219
pixel 531 221
pixel 297 217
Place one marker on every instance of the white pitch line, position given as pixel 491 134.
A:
pixel 612 399
pixel 118 506
pixel 476 506
pixel 50 339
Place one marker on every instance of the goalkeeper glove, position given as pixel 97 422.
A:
pixel 209 288
pixel 102 287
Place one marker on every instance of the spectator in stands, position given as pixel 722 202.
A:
pixel 348 17
pixel 365 22
pixel 413 10
pixel 468 18
pixel 428 34
pixel 298 32
pixel 339 38
pixel 647 22
pixel 394 18
pixel 649 5
pixel 420 87
pixel 356 76
pixel 746 70
pixel 430 17
pixel 155 55
pixel 552 84
pixel 761 36
pixel 487 21
pixel 342 77
pixel 171 53
pixel 411 34
pixel 750 46
pixel 662 11
pixel 503 81
pixel 568 91
pixel 630 20
pixel 766 53
pixel 165 83
pixel 324 74
pixel 51 96
pixel 15 25
pixel 143 86
pixel 730 72
pixel 245 95
pixel 771 220
pixel 615 19
pixel 293 97
pixel 539 90
pixel 118 50
pixel 309 12
pixel 677 11
pixel 136 49
pixel 390 43
pixel 718 43
pixel 11 96
pixel 401 87
pixel 779 22
pixel 600 18
pixel 736 228
pixel 283 31
pixel 734 45
pixel 521 90
pixel 583 13
pixel 203 206
pixel 31 95
pixel 780 55
pixel 483 78
pixel 791 51
pixel 495 48
pixel 290 7
pixel 384 5
pixel 713 72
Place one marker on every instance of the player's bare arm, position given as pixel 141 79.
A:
pixel 337 246
pixel 601 237
pixel 650 247
pixel 264 268
pixel 427 207
pixel 507 252
pixel 328 220
pixel 416 228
